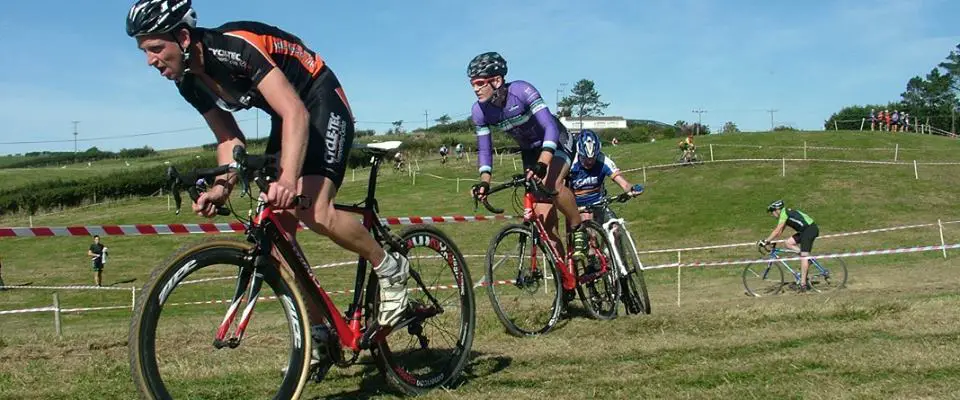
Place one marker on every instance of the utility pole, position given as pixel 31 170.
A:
pixel 560 92
pixel 257 111
pixel 75 133
pixel 771 111
pixel 699 112
pixel 426 120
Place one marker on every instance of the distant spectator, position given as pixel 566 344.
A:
pixel 615 141
pixel 895 121
pixel 873 120
pixel 886 119
pixel 905 119
pixel 97 253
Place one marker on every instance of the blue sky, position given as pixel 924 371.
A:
pixel 71 60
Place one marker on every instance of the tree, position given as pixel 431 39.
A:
pixel 365 132
pixel 584 100
pixel 932 97
pixel 397 127
pixel 680 123
pixel 952 68
pixel 443 120
pixel 730 127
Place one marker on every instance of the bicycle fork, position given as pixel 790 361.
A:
pixel 249 280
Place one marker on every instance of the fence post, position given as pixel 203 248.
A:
pixel 133 298
pixel 56 315
pixel 835 125
pixel 805 149
pixel 514 163
pixel 711 151
pixel 862 121
pixel 458 185
pixel 644 176
pixel 417 160
pixel 896 152
pixel 414 178
pixel 678 278
pixel 30 218
pixel 783 171
pixel 915 174
pixel 353 172
pixel 943 244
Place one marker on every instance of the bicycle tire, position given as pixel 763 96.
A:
pixel 404 372
pixel 771 279
pixel 530 285
pixel 166 277
pixel 837 278
pixel 600 296
pixel 634 292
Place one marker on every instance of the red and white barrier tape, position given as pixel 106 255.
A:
pixel 792 160
pixel 234 227
pixel 820 256
pixel 67 288
pixel 835 235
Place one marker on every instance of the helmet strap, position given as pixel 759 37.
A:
pixel 184 52
pixel 499 97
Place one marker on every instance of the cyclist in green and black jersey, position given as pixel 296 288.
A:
pixel 802 241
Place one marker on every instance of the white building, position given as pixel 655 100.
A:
pixel 578 123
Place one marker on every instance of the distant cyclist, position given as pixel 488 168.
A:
pixel 459 150
pixel 443 153
pixel 688 148
pixel 590 168
pixel 546 147
pixel 802 241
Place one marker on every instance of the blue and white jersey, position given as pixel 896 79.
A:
pixel 588 183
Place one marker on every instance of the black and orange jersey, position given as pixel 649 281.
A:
pixel 237 55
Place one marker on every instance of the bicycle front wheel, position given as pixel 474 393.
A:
pixel 633 287
pixel 600 293
pixel 764 279
pixel 522 282
pixel 180 309
pixel 431 352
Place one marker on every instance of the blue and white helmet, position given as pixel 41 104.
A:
pixel 588 144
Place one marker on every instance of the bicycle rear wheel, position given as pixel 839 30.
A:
pixel 175 321
pixel 636 299
pixel 763 279
pixel 831 277
pixel 522 282
pixel 430 353
pixel 601 294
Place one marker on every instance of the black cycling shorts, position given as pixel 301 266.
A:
pixel 330 131
pixel 805 239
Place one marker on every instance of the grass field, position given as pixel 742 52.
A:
pixel 893 333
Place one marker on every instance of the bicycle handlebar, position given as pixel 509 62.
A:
pixel 249 167
pixel 517 181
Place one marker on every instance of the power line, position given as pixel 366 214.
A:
pixel 165 132
pixel 699 112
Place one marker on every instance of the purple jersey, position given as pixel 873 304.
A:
pixel 524 117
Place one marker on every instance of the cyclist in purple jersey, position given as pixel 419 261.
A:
pixel 545 145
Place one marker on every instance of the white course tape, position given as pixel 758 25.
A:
pixel 821 256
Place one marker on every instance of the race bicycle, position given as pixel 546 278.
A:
pixel 180 341
pixel 633 289
pixel 530 282
pixel 769 278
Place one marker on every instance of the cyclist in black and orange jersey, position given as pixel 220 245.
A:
pixel 250 64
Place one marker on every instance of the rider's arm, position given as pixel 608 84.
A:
pixel 484 144
pixel 610 169
pixel 781 224
pixel 225 128
pixel 547 121
pixel 279 93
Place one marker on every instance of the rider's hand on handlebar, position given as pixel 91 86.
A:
pixel 763 243
pixel 282 194
pixel 537 172
pixel 209 201
pixel 480 190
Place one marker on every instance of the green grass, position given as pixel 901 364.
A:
pixel 892 333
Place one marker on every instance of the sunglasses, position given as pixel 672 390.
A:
pixel 481 82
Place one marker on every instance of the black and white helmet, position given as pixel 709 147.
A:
pixel 487 65
pixel 148 17
pixel 777 205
